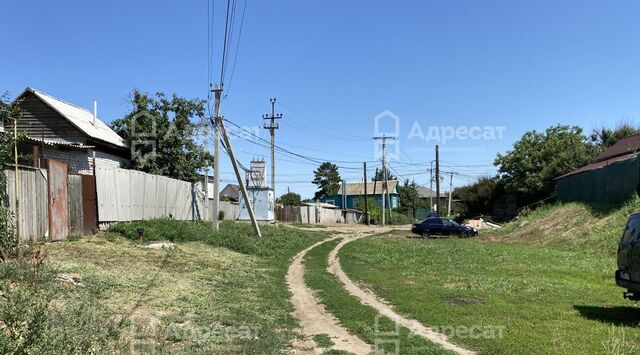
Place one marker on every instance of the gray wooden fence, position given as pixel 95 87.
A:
pixel 313 214
pixel 33 219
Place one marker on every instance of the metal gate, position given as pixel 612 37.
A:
pixel 58 200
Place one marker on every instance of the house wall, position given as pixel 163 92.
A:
pixel 613 183
pixel 81 161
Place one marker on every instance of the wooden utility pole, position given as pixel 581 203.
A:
pixel 450 192
pixel 16 188
pixel 217 119
pixel 384 173
pixel 431 186
pixel 437 177
pixel 366 195
pixel 272 126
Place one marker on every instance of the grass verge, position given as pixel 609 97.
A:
pixel 521 295
pixel 220 293
pixel 359 319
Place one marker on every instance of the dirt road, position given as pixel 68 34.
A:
pixel 313 317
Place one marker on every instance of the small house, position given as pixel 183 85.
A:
pixel 612 176
pixel 56 129
pixel 354 191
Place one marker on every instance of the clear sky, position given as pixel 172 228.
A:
pixel 506 66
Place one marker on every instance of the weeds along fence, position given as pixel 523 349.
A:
pixel 54 203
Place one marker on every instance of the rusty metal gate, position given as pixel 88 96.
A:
pixel 58 200
pixel 89 204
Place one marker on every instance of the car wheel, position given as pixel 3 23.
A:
pixel 426 234
pixel 465 234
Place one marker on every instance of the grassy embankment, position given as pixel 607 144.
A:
pixel 545 279
pixel 214 293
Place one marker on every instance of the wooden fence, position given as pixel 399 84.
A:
pixel 313 215
pixel 33 220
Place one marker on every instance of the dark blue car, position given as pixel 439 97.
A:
pixel 439 226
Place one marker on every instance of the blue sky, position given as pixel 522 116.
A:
pixel 335 65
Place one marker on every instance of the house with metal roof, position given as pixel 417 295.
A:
pixel 56 129
pixel 354 191
pixel 613 176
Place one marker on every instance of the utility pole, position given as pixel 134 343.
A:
pixel 437 177
pixel 431 186
pixel 450 192
pixel 384 172
pixel 16 190
pixel 272 126
pixel 217 119
pixel 236 169
pixel 366 196
pixel 205 205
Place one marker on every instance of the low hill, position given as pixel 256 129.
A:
pixel 593 227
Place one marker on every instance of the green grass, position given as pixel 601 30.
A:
pixel 547 278
pixel 323 340
pixel 214 293
pixel 353 315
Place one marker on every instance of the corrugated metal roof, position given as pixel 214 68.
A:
pixel 81 118
pixel 424 191
pixel 59 142
pixel 624 146
pixel 600 164
pixel 357 188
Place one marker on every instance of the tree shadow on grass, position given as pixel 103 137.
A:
pixel 617 315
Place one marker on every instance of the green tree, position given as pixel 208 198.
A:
pixel 373 208
pixel 478 198
pixel 9 111
pixel 162 135
pixel 379 175
pixel 604 137
pixel 327 178
pixel 538 157
pixel 409 198
pixel 290 199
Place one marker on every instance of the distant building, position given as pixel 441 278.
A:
pixel 59 130
pixel 613 176
pixel 262 198
pixel 231 192
pixel 355 191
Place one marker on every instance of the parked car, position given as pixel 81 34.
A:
pixel 628 273
pixel 436 226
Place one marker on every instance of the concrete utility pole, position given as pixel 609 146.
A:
pixel 437 177
pixel 366 195
pixel 450 192
pixel 272 126
pixel 384 172
pixel 217 119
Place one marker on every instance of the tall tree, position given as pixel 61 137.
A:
pixel 539 157
pixel 290 199
pixel 604 137
pixel 379 175
pixel 408 196
pixel 327 178
pixel 478 197
pixel 163 136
